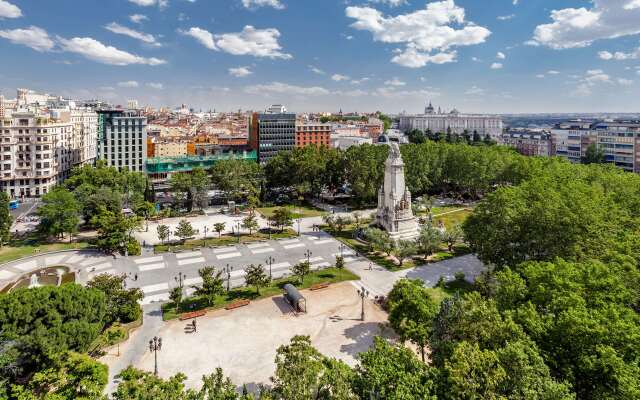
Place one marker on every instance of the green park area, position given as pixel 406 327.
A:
pixel 273 288
pixel 19 248
pixel 224 240
pixel 296 211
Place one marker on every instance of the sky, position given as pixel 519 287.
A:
pixel 484 56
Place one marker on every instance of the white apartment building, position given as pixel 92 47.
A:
pixel 38 150
pixel 454 120
pixel 122 139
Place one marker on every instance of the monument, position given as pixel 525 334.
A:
pixel 394 200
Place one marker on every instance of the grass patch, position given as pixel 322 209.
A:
pixel 452 219
pixel 115 334
pixel 224 240
pixel 331 275
pixel 298 212
pixel 32 245
pixel 448 289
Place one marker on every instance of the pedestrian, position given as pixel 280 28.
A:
pixel 194 326
pixel 370 266
pixel 135 277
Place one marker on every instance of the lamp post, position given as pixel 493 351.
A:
pixel 363 294
pixel 228 270
pixel 308 254
pixel 270 261
pixel 238 230
pixel 204 242
pixel 342 246
pixel 155 345
pixel 180 278
pixel 299 219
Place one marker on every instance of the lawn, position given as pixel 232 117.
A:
pixel 453 218
pixel 446 290
pixel 298 212
pixel 29 246
pixel 331 275
pixel 224 240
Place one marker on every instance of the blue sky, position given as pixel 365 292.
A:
pixel 323 55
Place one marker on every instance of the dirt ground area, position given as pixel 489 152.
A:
pixel 244 341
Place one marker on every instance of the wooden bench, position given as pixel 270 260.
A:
pixel 237 304
pixel 319 286
pixel 192 315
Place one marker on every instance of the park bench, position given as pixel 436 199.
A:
pixel 192 315
pixel 319 286
pixel 237 304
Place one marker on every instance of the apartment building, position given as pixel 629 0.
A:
pixel 572 138
pixel 122 139
pixel 39 150
pixel 313 134
pixel 620 143
pixel 528 142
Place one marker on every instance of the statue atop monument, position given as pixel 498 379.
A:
pixel 394 200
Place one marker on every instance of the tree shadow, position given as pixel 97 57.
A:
pixel 362 335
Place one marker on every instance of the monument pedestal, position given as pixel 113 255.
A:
pixel 394 200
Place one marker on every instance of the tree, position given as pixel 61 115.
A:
pixel 199 187
pixel 122 304
pixel 412 312
pixel 282 217
pixel 377 238
pixel 429 240
pixel 115 230
pixel 138 385
pixel 176 297
pixel 212 284
pixel 250 222
pixel 301 269
pixel 303 373
pixel 219 227
pixel 237 178
pixel 594 155
pixel 5 218
pixel 181 187
pixel 59 213
pixel 341 222
pixel 184 230
pixel 215 387
pixel 330 221
pixel 404 249
pixel 392 372
pixel 163 233
pixel 452 236
pixel 256 276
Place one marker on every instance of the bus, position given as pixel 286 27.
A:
pixel 14 204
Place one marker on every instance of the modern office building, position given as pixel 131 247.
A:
pixel 272 132
pixel 438 121
pixel 313 134
pixel 39 150
pixel 122 139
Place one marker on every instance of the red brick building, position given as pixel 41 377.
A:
pixel 313 134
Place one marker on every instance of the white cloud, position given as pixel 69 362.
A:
pixel 500 56
pixel 596 77
pixel 285 88
pixel 625 82
pixel 155 85
pixel 316 70
pixel 339 77
pixel 138 18
pixel 437 28
pixel 240 72
pixel 8 10
pixel 33 37
pixel 351 93
pixel 496 65
pixel 123 30
pixel 128 84
pixel 96 51
pixel 395 82
pixel 619 55
pixel 204 37
pixel 632 5
pixel 251 41
pixel 360 81
pixel 579 27
pixel 540 76
pixel 505 17
pixel 553 72
pixel 263 3
pixel 149 3
pixel 392 93
pixel 474 91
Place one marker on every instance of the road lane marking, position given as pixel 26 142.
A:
pixel 280 266
pixel 6 274
pixel 293 246
pixel 259 251
pixel 289 241
pixel 325 241
pixel 312 259
pixel 258 245
pixel 151 267
pixel 191 261
pixel 26 266
pixel 228 255
pixel 224 250
pixel 154 298
pixel 148 260
pixel 188 255
pixel 155 288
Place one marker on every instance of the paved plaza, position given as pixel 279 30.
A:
pixel 244 341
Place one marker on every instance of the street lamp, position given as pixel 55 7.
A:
pixel 342 246
pixel 155 345
pixel 204 242
pixel 363 294
pixel 238 230
pixel 299 225
pixel 181 276
pixel 270 261
pixel 228 270
pixel 308 254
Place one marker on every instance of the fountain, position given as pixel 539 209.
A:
pixel 50 276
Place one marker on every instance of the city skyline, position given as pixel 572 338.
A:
pixel 390 55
